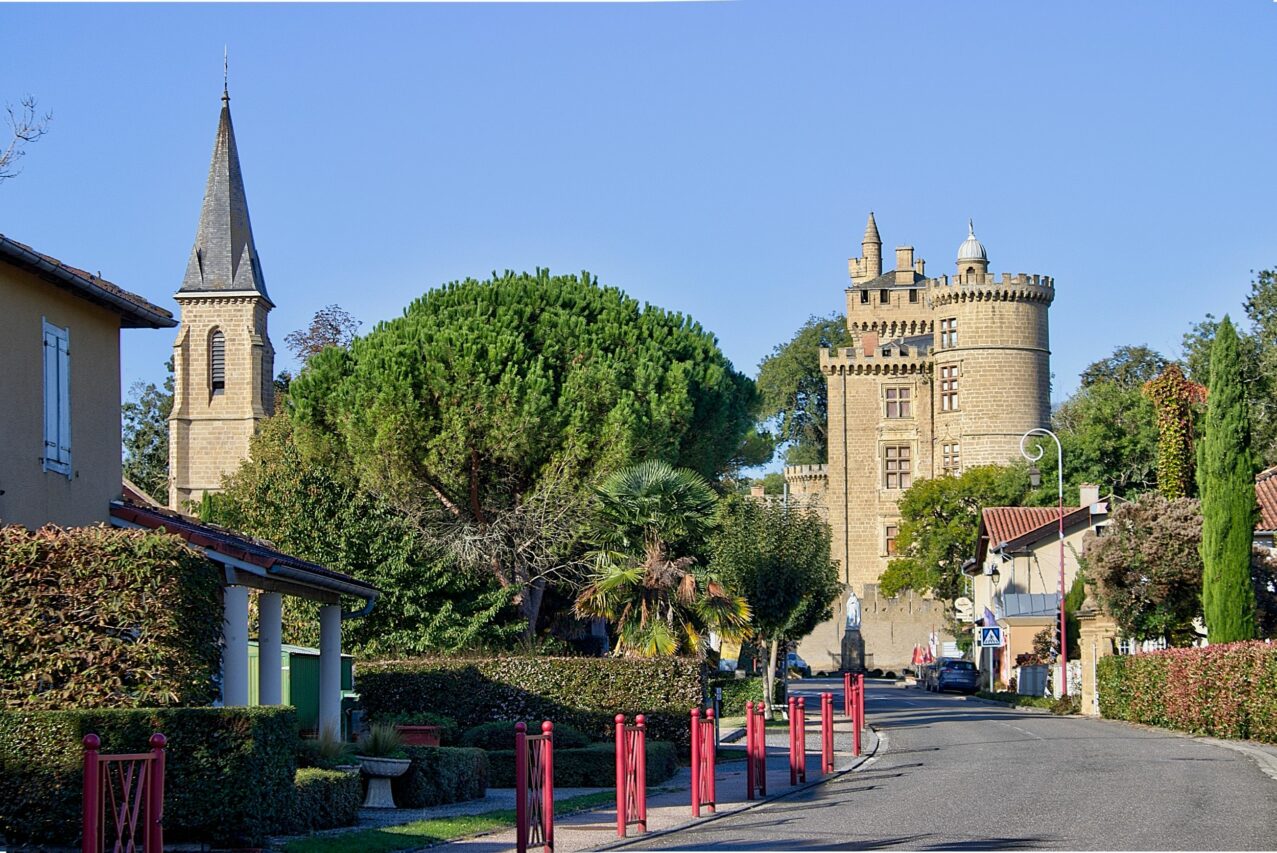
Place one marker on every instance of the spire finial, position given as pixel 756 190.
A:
pixel 971 227
pixel 226 74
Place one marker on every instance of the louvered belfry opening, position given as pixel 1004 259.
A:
pixel 217 361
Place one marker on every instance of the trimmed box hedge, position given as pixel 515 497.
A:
pixel 586 693
pixel 441 774
pixel 593 766
pixel 229 772
pixel 738 691
pixel 326 799
pixel 1227 691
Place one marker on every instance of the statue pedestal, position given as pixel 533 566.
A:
pixel 853 651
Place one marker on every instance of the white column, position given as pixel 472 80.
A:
pixel 270 608
pixel 234 645
pixel 330 669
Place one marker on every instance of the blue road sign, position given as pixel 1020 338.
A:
pixel 991 637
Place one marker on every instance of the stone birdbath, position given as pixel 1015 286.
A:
pixel 380 771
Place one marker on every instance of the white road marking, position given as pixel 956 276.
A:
pixel 1020 730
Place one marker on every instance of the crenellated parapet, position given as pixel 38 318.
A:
pixel 887 361
pixel 806 472
pixel 986 287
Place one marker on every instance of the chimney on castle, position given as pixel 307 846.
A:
pixel 904 265
pixel 920 267
pixel 869 341
pixel 756 491
pixel 1088 493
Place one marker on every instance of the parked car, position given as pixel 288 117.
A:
pixel 953 674
pixel 796 664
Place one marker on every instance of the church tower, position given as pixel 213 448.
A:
pixel 223 361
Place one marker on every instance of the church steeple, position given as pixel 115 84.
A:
pixel 224 257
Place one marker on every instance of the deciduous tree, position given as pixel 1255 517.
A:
pixel 795 393
pixel 332 326
pixel 145 433
pixel 26 125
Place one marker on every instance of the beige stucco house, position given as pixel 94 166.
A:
pixel 60 389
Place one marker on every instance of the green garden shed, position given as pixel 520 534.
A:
pixel 299 667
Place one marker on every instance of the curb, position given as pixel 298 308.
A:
pixel 837 774
pixel 1028 708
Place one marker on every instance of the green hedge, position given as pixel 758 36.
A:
pixel 738 691
pixel 593 766
pixel 441 774
pixel 228 778
pixel 96 617
pixel 586 693
pixel 500 735
pixel 1226 691
pixel 326 799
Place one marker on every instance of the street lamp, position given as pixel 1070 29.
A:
pixel 1035 478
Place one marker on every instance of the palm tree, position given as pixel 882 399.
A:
pixel 646 581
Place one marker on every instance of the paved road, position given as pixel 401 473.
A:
pixel 959 775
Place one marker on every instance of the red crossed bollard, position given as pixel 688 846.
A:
pixel 847 699
pixel 133 786
pixel 858 719
pixel 534 787
pixel 826 733
pixel 797 740
pixel 631 774
pixel 703 753
pixel 755 751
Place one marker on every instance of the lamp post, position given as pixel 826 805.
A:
pixel 1035 478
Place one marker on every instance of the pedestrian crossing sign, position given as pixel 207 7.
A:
pixel 991 636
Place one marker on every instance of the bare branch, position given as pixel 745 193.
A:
pixel 26 127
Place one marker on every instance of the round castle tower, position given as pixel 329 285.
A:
pixel 992 357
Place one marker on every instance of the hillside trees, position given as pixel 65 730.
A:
pixel 490 409
pixel 1226 483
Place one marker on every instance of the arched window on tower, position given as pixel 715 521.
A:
pixel 217 361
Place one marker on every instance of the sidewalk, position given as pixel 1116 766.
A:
pixel 669 805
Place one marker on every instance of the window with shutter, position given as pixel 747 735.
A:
pixel 217 361
pixel 57 400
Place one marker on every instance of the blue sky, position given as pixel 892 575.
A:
pixel 713 158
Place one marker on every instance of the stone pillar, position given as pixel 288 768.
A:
pixel 270 607
pixel 234 645
pixel 330 669
pixel 1097 636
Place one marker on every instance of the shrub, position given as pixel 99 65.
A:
pixel 586 693
pixel 738 691
pixel 325 799
pixel 104 618
pixel 441 774
pixel 228 775
pixel 500 735
pixel 1226 691
pixel 593 766
pixel 326 751
pixel 381 741
pixel 449 731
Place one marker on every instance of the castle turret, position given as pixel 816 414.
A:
pixel 869 264
pixel 972 258
pixel 223 362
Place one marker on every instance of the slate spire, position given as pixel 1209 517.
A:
pixel 224 257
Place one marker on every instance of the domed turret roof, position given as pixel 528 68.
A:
pixel 971 248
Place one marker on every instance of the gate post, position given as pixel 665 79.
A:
pixel 521 786
pixel 92 796
pixel 711 742
pixel 696 762
pixel 547 785
pixel 154 836
pixel 620 776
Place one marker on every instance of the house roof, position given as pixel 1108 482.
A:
pixel 135 312
pixel 1266 495
pixel 1016 604
pixel 241 549
pixel 887 280
pixel 135 494
pixel 1016 526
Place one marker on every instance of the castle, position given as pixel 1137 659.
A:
pixel 223 361
pixel 943 374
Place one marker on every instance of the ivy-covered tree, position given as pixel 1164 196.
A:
pixel 145 433
pixel 1226 483
pixel 1146 567
pixel 489 397
pixel 795 393
pixel 1174 398
pixel 319 513
pixel 779 560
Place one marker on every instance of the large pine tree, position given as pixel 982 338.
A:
pixel 1226 483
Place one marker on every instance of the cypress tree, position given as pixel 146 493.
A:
pixel 1226 484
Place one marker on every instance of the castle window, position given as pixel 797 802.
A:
pixel 896 466
pixel 951 459
pixel 217 361
pixel 949 388
pixel 892 532
pixel 864 297
pixel 948 333
pixel 884 296
pixel 913 295
pixel 899 404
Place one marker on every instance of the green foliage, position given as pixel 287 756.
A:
pixel 1129 367
pixel 1174 398
pixel 325 799
pixel 441 774
pixel 1072 604
pixel 499 734
pixel 1225 691
pixel 228 776
pixel 1226 482
pixel 652 519
pixel 592 766
pixel 380 741
pixel 326 752
pixel 586 693
pixel 1109 435
pixel 332 326
pixel 427 603
pixel 145 433
pixel 738 691
pixel 795 392
pixel 1146 567
pixel 449 731
pixel 939 523
pixel 101 617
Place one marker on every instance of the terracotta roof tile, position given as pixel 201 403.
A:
pixel 1266 494
pixel 1004 523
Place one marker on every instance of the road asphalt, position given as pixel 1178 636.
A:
pixel 955 774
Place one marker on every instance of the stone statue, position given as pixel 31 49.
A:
pixel 853 612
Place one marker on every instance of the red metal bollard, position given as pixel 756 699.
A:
pixel 755 751
pixel 133 784
pixel 826 733
pixel 534 787
pixel 858 717
pixel 797 741
pixel 847 699
pixel 631 774
pixel 155 809
pixel 703 749
pixel 92 796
